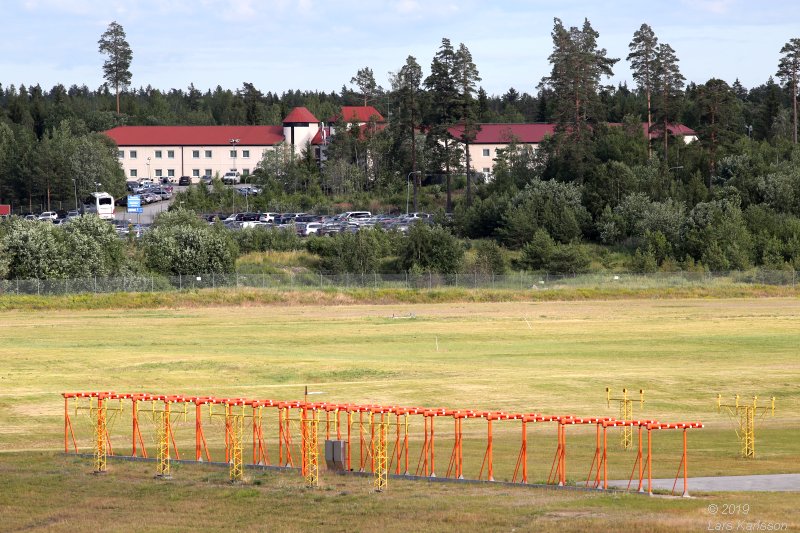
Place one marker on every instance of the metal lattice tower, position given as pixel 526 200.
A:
pixel 235 425
pixel 746 415
pixel 100 449
pixel 380 455
pixel 625 413
pixel 163 436
pixel 311 448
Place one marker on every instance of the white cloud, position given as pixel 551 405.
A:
pixel 715 7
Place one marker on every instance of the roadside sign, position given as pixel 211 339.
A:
pixel 134 201
pixel 135 210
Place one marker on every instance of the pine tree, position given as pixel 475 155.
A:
pixel 788 72
pixel 578 66
pixel 719 110
pixel 367 86
pixel 407 85
pixel 643 64
pixel 466 77
pixel 668 87
pixel 116 68
pixel 443 113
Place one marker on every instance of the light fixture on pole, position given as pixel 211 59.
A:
pixel 148 167
pixel 408 187
pixel 233 142
pixel 97 184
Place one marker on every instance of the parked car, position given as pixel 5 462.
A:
pixel 184 180
pixel 73 213
pixel 304 229
pixel 163 193
pixel 268 217
pixel 149 198
pixel 230 178
pixel 48 215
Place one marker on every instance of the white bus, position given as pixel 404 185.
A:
pixel 101 203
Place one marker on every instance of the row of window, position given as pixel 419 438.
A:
pixel 159 173
pixel 159 154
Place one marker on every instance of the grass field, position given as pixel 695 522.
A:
pixel 550 357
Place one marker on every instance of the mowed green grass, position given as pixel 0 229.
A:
pixel 548 357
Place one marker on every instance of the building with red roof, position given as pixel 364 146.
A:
pixel 157 152
pixel 493 137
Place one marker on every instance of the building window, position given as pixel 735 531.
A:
pixel 158 154
pixel 208 154
pixel 245 153
pixel 158 173
pixel 196 172
pixel 133 154
pixel 171 173
pixel 171 154
pixel 486 170
pixel 196 154
pixel 208 172
pixel 245 172
pixel 133 173
pixel 485 152
pixel 121 153
pixel 233 153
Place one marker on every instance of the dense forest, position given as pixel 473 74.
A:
pixel 730 200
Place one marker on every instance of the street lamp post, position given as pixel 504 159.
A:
pixel 96 185
pixel 246 195
pixel 408 187
pixel 233 142
pixel 75 186
pixel 148 168
pixel 749 130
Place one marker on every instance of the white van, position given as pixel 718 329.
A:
pixel 355 217
pixel 101 203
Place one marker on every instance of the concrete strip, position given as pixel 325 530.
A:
pixel 763 483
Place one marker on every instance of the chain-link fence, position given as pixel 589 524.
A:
pixel 424 280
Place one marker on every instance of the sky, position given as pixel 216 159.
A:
pixel 278 45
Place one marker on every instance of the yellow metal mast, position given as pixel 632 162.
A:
pixel 380 453
pixel 746 417
pixel 235 424
pixel 311 447
pixel 625 413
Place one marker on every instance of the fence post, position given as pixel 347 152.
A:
pixel 95 284
pixel 180 282
pixel 430 279
pixel 38 293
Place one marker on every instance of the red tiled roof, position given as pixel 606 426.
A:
pixel 300 114
pixel 360 114
pixel 535 133
pixel 503 133
pixel 195 135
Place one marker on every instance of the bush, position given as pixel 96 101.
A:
pixel 431 248
pixel 189 249
pixel 360 252
pixel 537 253
pixel 267 239
pixel 490 258
pixel 569 258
